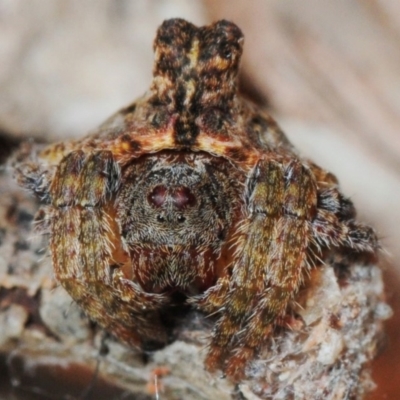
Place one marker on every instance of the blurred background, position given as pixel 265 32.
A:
pixel 329 72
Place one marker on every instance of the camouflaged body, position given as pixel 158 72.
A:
pixel 192 104
pixel 191 190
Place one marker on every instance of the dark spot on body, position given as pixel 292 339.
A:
pixel 133 144
pixel 256 128
pixel 160 218
pixel 159 118
pixel 347 209
pixel 213 120
pixel 222 233
pixel 180 96
pixel 259 123
pixel 186 132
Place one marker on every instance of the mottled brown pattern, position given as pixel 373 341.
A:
pixel 190 195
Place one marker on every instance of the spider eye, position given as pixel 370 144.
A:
pixel 181 218
pixel 160 218
pixel 157 196
pixel 183 198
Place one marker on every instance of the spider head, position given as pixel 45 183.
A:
pixel 174 202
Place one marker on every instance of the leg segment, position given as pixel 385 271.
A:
pixel 87 252
pixel 293 210
pixel 334 224
pixel 270 265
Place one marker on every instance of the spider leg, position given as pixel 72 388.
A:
pixel 271 264
pixel 87 251
pixel 335 225
pixel 212 299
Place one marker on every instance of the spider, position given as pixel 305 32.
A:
pixel 190 190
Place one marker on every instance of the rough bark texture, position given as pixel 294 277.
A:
pixel 330 73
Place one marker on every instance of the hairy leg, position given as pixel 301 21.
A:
pixel 270 265
pixel 87 252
